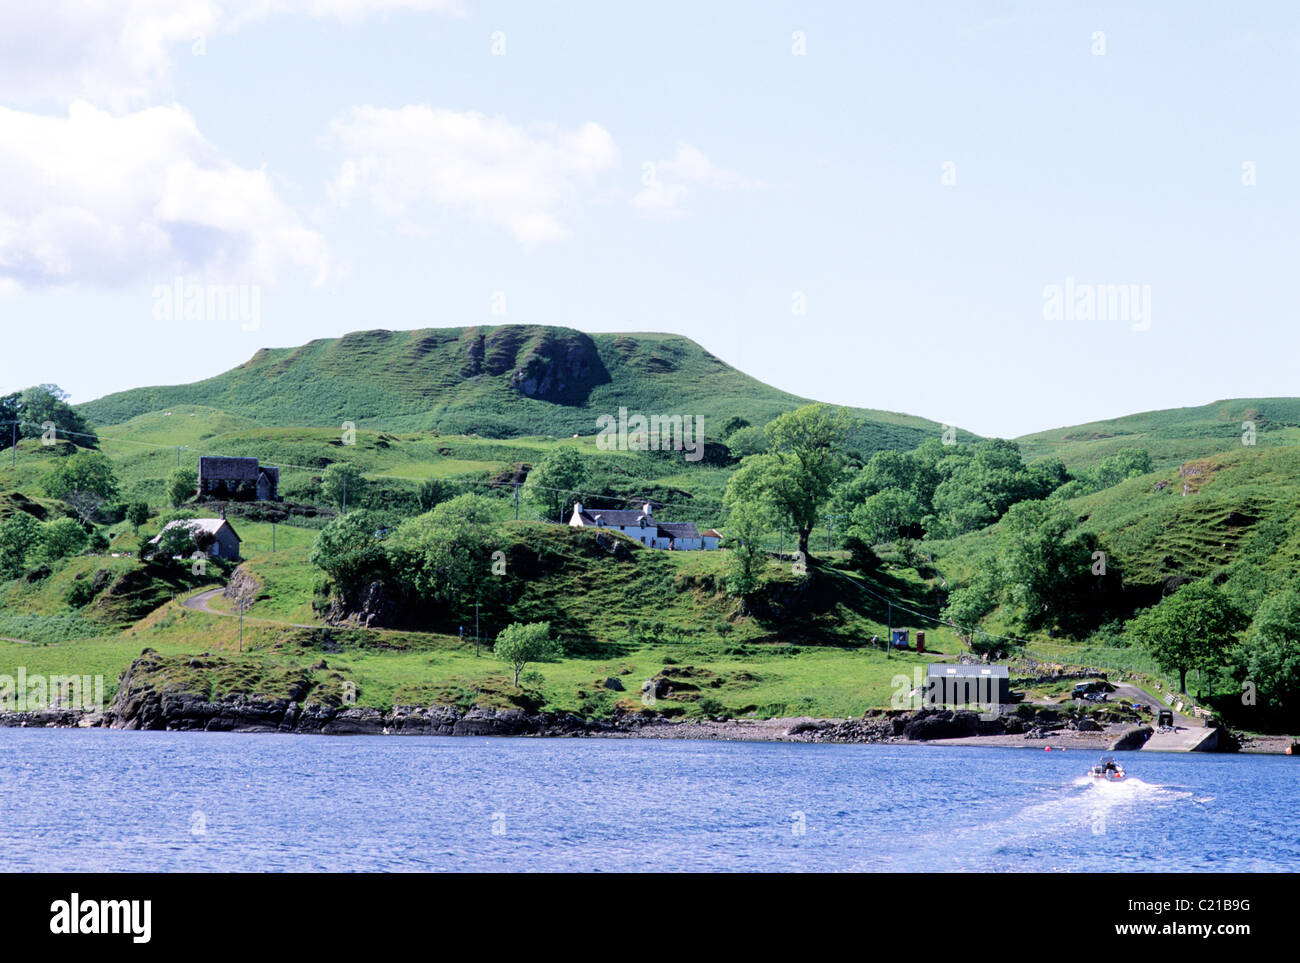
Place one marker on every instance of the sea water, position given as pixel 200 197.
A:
pixel 97 800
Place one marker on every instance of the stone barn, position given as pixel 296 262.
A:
pixel 238 479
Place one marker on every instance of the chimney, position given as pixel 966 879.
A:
pixel 646 509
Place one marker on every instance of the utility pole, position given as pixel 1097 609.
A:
pixel 14 451
pixel 345 494
pixel 889 635
pixel 516 501
pixel 178 456
pixel 476 630
pixel 273 537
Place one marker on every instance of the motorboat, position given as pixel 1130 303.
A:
pixel 1108 770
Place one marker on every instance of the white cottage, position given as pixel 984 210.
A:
pixel 216 534
pixel 642 526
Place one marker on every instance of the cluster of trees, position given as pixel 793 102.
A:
pixel 941 491
pixel 800 471
pixel 85 481
pixel 436 560
pixel 26 543
pixel 1238 625
pixel 40 405
pixel 1124 464
pixel 1045 574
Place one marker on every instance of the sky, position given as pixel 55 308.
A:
pixel 868 204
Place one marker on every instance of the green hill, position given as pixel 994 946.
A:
pixel 1172 435
pixel 496 382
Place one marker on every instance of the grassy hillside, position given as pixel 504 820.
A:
pixel 630 615
pixel 1238 524
pixel 497 382
pixel 1172 435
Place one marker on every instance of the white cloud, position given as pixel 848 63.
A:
pixel 120 52
pixel 667 184
pixel 411 161
pixel 101 199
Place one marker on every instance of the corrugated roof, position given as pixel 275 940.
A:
pixel 967 671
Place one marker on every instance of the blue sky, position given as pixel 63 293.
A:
pixel 376 163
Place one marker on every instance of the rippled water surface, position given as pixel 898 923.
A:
pixel 103 800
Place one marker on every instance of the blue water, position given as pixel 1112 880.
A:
pixel 105 800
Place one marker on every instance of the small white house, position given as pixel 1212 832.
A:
pixel 642 526
pixel 224 542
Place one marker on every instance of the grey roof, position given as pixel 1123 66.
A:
pixel 623 518
pixel 678 529
pixel 196 525
pixel 967 671
pixel 617 517
pixel 228 469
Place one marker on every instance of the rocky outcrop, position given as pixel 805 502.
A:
pixel 373 608
pixel 49 719
pixel 148 698
pixel 550 364
pixel 242 587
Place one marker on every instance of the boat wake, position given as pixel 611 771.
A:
pixel 1078 818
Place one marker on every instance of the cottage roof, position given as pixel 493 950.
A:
pixel 625 518
pixel 678 529
pixel 616 517
pixel 210 525
pixel 228 469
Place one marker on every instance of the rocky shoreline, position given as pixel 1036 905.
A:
pixel 186 712
pixel 145 702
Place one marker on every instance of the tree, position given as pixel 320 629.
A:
pixel 175 542
pixel 967 605
pixel 742 537
pixel 795 479
pixel 434 491
pixel 552 486
pixel 523 642
pixel 20 536
pixel 86 473
pixel 40 405
pixel 137 513
pixel 350 550
pixel 182 485
pixel 746 441
pixel 885 516
pixel 1192 629
pixel 981 482
pixel 441 557
pixel 343 483
pixel 731 426
pixel 1272 653
pixel 1125 463
pixel 1048 569
pixel 61 538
